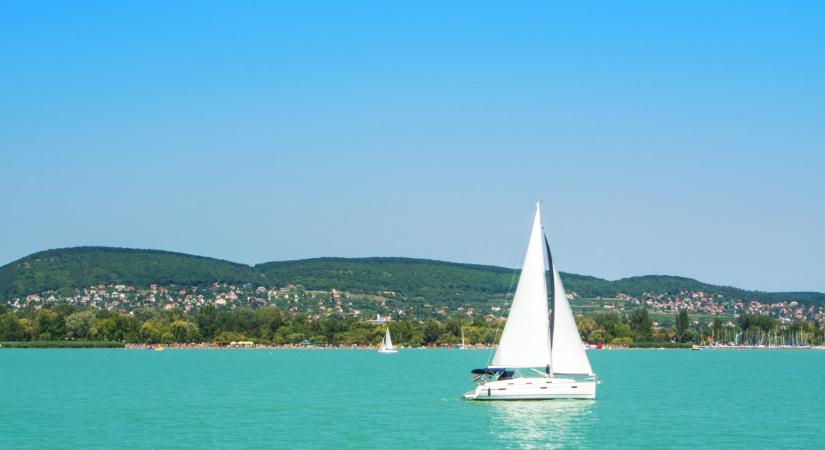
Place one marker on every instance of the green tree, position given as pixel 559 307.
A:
pixel 106 329
pixel 207 320
pixel 432 331
pixel 756 321
pixel 49 324
pixel 184 331
pixel 641 325
pixel 682 325
pixel 267 322
pixel 151 332
pixel 10 328
pixel 226 337
pixel 79 324
pixel 586 326
pixel 598 336
pixel 327 327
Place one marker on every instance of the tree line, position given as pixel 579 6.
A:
pixel 271 325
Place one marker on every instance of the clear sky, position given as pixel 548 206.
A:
pixel 664 137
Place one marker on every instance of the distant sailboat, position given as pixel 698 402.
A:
pixel 463 347
pixel 386 344
pixel 540 354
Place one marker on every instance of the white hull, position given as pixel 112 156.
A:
pixel 534 388
pixel 383 350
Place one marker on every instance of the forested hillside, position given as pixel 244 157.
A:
pixel 65 270
pixel 79 267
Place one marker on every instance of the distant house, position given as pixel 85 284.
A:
pixel 379 320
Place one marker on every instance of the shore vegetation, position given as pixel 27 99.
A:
pixel 71 325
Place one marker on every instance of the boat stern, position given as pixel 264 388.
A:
pixel 472 395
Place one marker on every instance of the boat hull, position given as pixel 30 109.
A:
pixel 529 388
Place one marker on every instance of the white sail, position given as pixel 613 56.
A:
pixel 387 340
pixel 567 349
pixel 525 341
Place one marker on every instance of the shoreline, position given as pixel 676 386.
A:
pixel 375 348
pixel 251 346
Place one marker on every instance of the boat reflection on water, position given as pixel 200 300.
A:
pixel 542 424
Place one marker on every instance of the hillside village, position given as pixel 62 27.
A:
pixel 127 299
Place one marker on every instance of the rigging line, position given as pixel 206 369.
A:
pixel 516 271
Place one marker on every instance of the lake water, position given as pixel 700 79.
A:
pixel 363 399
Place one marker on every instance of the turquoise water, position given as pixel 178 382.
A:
pixel 362 399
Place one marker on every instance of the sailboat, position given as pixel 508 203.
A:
pixel 462 347
pixel 386 344
pixel 540 355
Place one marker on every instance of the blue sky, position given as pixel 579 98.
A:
pixel 683 137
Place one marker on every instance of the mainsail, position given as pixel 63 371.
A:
pixel 525 341
pixel 387 342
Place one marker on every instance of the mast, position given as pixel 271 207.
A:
pixel 551 290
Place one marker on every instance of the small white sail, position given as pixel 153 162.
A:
pixel 568 357
pixel 525 339
pixel 387 340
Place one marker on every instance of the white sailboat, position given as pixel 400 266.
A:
pixel 462 347
pixel 386 344
pixel 540 354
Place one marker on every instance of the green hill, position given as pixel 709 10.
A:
pixel 80 267
pixel 635 286
pixel 72 268
pixel 435 281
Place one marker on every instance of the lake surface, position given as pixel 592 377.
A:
pixel 363 399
